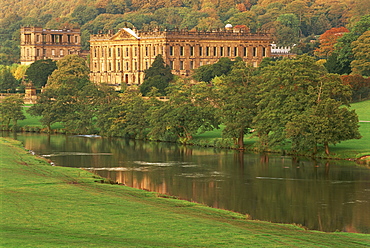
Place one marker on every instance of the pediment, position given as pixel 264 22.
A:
pixel 125 34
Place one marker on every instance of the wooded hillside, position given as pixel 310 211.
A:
pixel 290 21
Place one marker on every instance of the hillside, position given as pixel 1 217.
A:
pixel 290 21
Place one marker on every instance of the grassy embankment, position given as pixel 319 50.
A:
pixel 46 206
pixel 343 150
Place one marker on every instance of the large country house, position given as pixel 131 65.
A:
pixel 122 57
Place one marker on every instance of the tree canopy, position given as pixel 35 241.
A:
pixel 288 21
pixel 158 75
pixel 11 110
pixel 7 80
pixel 69 97
pixel 301 101
pixel 39 71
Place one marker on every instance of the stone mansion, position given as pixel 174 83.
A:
pixel 122 57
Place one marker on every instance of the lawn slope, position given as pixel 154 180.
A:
pixel 48 206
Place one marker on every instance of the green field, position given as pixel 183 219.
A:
pixel 48 206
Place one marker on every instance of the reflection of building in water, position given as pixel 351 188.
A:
pixel 131 180
pixel 121 58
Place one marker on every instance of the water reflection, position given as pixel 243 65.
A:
pixel 321 195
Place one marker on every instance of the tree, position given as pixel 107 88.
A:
pixel 82 14
pixel 247 18
pixel 361 51
pixel 235 96
pixel 343 47
pixel 321 24
pixel 288 32
pixel 327 41
pixel 299 100
pixel 158 75
pixel 360 86
pixel 109 109
pixel 69 97
pixel 39 71
pixel 206 73
pixel 7 80
pixel 11 110
pixel 134 114
pixel 282 95
pixel 326 121
pixel 180 118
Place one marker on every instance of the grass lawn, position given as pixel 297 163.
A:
pixel 357 147
pixel 34 121
pixel 362 109
pixel 46 206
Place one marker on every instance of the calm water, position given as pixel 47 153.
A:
pixel 319 195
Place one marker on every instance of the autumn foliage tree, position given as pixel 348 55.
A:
pixel 328 40
pixel 360 86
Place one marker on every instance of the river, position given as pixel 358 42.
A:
pixel 320 195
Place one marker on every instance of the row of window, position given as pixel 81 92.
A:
pixel 53 38
pixel 124 52
pixel 202 51
pixel 217 51
pixel 126 65
pixel 42 52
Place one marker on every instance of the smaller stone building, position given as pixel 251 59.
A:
pixel 39 43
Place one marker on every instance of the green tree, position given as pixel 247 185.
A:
pixel 343 47
pixel 180 118
pixel 7 80
pixel 288 32
pixel 11 110
pixel 326 121
pixel 247 18
pixel 108 112
pixel 299 100
pixel 236 101
pixel 206 73
pixel 361 51
pixel 135 109
pixel 39 71
pixel 69 97
pixel 283 95
pixel 158 75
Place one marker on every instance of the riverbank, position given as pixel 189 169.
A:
pixel 50 206
pixel 356 149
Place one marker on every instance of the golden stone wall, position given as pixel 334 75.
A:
pixel 38 43
pixel 123 57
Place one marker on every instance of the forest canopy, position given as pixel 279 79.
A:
pixel 290 22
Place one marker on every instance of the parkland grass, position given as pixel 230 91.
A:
pixel 50 206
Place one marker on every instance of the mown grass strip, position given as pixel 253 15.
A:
pixel 48 206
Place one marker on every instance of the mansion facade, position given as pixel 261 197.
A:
pixel 39 43
pixel 121 58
